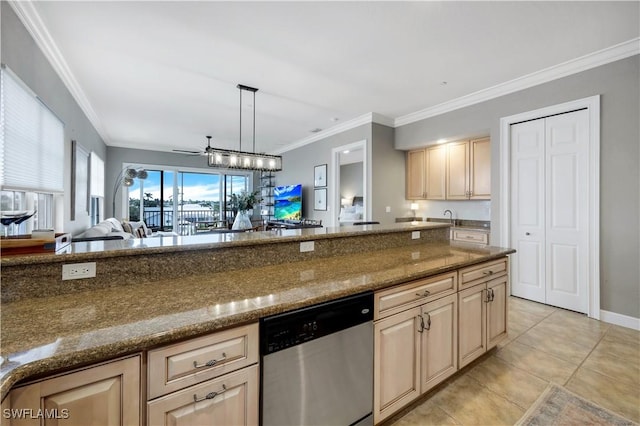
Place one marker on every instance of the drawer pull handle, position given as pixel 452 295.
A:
pixel 488 272
pixel 426 293
pixel 210 395
pixel 210 363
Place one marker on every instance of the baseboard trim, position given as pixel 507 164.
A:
pixel 619 319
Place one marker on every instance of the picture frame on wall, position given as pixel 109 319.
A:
pixel 320 176
pixel 320 199
pixel 79 181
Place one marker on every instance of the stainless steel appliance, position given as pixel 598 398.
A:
pixel 317 364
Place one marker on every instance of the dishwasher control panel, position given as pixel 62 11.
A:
pixel 292 328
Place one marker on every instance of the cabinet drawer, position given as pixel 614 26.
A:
pixel 477 273
pixel 184 364
pixel 232 399
pixel 393 300
pixel 470 236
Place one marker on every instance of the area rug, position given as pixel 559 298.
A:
pixel 558 406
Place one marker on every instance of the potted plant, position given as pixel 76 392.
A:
pixel 242 203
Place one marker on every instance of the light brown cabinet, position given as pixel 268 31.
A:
pixel 106 394
pixel 231 399
pixel 212 379
pixel 470 236
pixel 415 341
pixel 482 309
pixel 469 170
pixel 457 170
pixel 426 176
pixel 396 362
pixel 454 171
pixel 480 169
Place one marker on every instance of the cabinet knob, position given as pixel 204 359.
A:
pixel 527 233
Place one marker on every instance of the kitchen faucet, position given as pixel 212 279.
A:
pixel 450 215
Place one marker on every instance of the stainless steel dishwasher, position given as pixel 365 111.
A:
pixel 317 364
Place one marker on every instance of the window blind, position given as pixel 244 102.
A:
pixel 97 176
pixel 31 140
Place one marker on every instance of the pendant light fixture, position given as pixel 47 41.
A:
pixel 240 159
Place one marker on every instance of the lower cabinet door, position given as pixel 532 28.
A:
pixel 472 305
pixel 497 311
pixel 231 399
pixel 107 394
pixel 396 362
pixel 439 351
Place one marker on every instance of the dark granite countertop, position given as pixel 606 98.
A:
pixel 166 244
pixel 41 336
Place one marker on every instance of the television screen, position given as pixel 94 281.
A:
pixel 287 202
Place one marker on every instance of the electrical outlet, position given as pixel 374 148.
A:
pixel 306 246
pixel 415 235
pixel 75 271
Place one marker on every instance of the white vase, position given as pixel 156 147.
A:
pixel 242 221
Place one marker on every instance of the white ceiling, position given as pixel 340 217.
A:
pixel 162 75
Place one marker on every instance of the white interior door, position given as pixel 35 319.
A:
pixel 550 209
pixel 567 210
pixel 527 210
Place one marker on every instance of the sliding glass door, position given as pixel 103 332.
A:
pixel 187 202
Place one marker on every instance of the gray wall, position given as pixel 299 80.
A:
pixel 618 83
pixel 388 181
pixel 23 56
pixel 351 180
pixel 298 167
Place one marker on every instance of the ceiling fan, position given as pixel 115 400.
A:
pixel 208 150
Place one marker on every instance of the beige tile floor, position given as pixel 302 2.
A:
pixel 596 360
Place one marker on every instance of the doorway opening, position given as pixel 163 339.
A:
pixel 350 166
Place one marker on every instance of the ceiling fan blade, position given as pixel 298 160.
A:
pixel 184 151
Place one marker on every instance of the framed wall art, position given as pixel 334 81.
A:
pixel 320 199
pixel 320 176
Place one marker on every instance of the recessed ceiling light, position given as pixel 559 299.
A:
pixel 346 151
pixel 443 83
pixel 316 130
pixel 441 141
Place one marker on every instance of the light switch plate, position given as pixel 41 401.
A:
pixel 415 235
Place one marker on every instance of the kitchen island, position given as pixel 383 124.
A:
pixel 108 318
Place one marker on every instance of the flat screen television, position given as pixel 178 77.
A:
pixel 287 201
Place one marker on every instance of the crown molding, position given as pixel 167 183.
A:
pixel 32 21
pixel 583 63
pixel 338 128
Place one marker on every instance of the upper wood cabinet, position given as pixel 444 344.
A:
pixel 458 170
pixel 454 171
pixel 480 169
pixel 416 175
pixel 426 173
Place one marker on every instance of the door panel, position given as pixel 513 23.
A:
pixel 436 173
pixel 527 210
pixel 439 341
pixel 567 210
pixel 396 368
